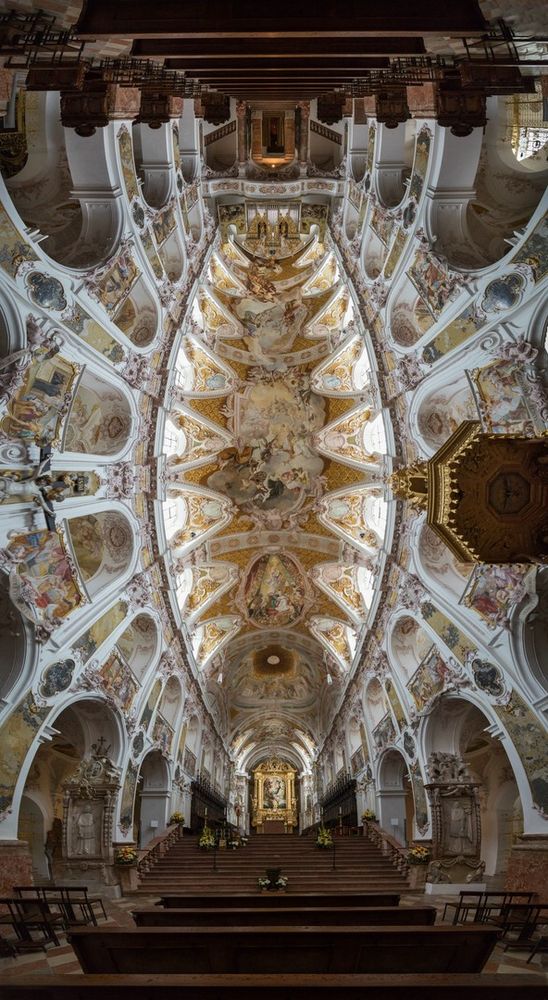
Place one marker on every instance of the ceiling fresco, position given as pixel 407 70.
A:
pixel 274 506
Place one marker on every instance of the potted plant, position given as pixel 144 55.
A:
pixel 207 839
pixel 176 817
pixel 126 859
pixel 369 815
pixel 418 858
pixel 324 838
pixel 273 880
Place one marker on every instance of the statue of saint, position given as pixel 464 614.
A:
pixel 86 833
pixel 460 828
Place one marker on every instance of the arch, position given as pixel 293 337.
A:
pixel 173 256
pixel 153 153
pixel 192 744
pixel 102 546
pixel 409 317
pixel 153 795
pixel 13 643
pixel 75 730
pixel 138 315
pixel 195 221
pixel 189 141
pixel 32 830
pixel 139 644
pixel 171 702
pixel 497 195
pixel 534 633
pixel 395 796
pixel 373 255
pixel 52 193
pixel 440 565
pixel 442 411
pixel 376 704
pixel 459 726
pixel 393 161
pixel 508 190
pixel 409 643
pixel 99 421
pixel 12 329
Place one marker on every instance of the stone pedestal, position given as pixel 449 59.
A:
pixel 128 878
pixel 528 865
pixel 417 877
pixel 15 865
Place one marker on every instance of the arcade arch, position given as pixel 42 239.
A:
pixel 395 796
pixel 79 730
pixel 152 799
pixel 103 548
pixel 100 420
pixel 461 727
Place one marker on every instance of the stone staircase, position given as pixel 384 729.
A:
pixel 359 867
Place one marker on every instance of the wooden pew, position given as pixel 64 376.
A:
pixel 284 949
pixel 379 916
pixel 268 900
pixel 283 987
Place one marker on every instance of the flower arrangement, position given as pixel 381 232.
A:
pixel 207 838
pixel 176 817
pixel 324 838
pixel 126 856
pixel 369 814
pixel 418 855
pixel 272 880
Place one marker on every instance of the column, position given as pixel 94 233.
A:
pixel 256 134
pixel 305 121
pixel 241 110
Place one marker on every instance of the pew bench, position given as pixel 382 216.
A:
pixel 282 987
pixel 268 900
pixel 307 917
pixel 284 949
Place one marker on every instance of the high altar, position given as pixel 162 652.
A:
pixel 274 806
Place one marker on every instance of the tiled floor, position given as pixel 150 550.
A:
pixel 62 960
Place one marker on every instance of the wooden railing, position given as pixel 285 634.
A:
pixel 220 133
pixel 156 849
pixel 388 845
pixel 325 132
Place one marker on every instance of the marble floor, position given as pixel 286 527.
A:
pixel 61 960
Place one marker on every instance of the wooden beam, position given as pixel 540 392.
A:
pixel 276 48
pixel 198 67
pixel 262 77
pixel 235 18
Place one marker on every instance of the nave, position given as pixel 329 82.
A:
pixel 196 926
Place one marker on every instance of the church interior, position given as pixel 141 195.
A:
pixel 273 500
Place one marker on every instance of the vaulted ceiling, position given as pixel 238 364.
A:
pixel 274 508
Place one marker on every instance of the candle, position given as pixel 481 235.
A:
pixel 205 814
pixel 340 810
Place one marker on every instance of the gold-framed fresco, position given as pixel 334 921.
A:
pixel 274 797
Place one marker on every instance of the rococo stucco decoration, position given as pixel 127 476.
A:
pixel 273 474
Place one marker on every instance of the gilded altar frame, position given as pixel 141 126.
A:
pixel 274 794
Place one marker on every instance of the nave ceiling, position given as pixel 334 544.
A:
pixel 274 468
